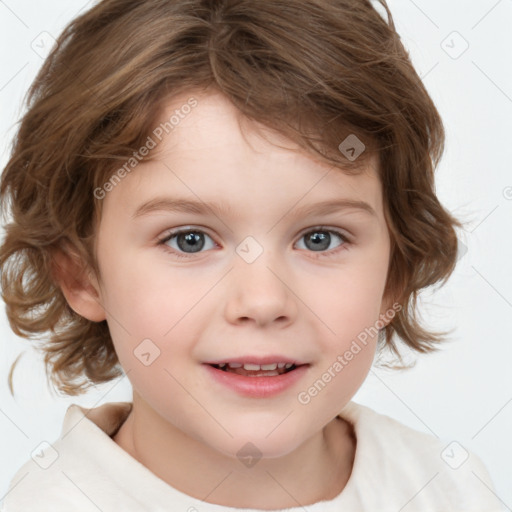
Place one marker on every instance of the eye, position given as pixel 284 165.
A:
pixel 320 240
pixel 186 241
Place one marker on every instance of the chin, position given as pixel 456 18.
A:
pixel 250 442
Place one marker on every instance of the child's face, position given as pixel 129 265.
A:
pixel 259 280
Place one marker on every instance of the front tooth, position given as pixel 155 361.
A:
pixel 288 365
pixel 272 366
pixel 234 365
pixel 253 367
pixel 280 365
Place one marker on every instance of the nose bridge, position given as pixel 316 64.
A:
pixel 257 290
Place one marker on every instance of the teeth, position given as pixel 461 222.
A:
pixel 252 367
pixel 256 367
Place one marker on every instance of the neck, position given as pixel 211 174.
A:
pixel 317 470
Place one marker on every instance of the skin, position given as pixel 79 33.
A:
pixel 292 300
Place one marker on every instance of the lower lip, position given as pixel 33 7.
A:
pixel 258 387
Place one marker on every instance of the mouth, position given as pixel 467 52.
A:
pixel 256 370
pixel 257 377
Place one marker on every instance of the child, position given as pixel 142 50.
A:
pixel 292 146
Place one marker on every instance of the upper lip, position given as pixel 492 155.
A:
pixel 257 360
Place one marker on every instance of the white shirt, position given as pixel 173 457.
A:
pixel 396 468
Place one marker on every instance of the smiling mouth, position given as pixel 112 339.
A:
pixel 256 370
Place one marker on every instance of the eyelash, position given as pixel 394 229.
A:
pixel 320 254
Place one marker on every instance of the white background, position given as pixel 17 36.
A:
pixel 463 393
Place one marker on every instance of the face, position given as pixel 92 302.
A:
pixel 271 272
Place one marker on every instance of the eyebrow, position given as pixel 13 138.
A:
pixel 169 204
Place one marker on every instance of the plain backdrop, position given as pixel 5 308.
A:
pixel 463 393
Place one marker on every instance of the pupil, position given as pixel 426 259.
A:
pixel 321 240
pixel 193 239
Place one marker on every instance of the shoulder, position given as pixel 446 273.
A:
pixel 405 462
pixel 40 488
pixel 64 475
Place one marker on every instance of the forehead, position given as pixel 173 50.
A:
pixel 210 152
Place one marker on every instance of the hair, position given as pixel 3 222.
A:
pixel 315 71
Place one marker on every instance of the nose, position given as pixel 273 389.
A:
pixel 259 292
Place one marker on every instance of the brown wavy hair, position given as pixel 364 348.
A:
pixel 313 70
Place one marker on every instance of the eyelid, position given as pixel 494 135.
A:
pixel 169 233
pixel 344 233
pixel 172 232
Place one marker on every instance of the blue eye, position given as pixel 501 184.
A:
pixel 188 241
pixel 320 239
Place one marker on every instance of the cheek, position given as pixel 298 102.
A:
pixel 150 301
pixel 350 307
pixel 349 301
pixel 155 318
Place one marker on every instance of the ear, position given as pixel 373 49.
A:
pixel 78 284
